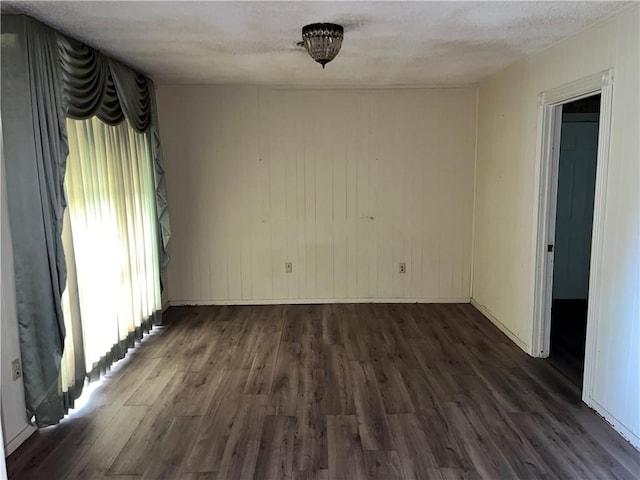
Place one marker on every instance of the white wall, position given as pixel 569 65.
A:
pixel 502 270
pixel 3 466
pixel 345 184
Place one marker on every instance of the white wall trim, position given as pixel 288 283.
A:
pixel 597 242
pixel 19 439
pixel 501 326
pixel 305 301
pixel 581 88
pixel 545 191
pixel 547 158
pixel 549 117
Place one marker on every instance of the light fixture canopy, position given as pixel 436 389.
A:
pixel 322 41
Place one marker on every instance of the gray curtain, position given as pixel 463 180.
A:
pixel 162 204
pixel 134 95
pixel 66 78
pixel 36 152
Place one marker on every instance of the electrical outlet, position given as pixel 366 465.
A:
pixel 403 267
pixel 16 369
pixel 288 267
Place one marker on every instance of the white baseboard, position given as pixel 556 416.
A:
pixel 512 336
pixel 305 301
pixel 616 424
pixel 19 439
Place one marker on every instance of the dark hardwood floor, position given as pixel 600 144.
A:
pixel 329 392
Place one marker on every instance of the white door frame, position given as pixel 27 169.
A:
pixel 549 122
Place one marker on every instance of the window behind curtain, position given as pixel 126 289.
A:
pixel 110 239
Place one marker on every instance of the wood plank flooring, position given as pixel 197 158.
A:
pixel 324 392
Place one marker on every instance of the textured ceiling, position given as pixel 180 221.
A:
pixel 386 43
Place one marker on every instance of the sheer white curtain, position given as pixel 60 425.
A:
pixel 111 244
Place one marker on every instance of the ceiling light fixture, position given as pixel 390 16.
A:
pixel 322 41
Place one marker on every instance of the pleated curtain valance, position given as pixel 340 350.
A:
pixel 93 84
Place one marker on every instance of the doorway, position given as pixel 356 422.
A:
pixel 550 106
pixel 576 181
